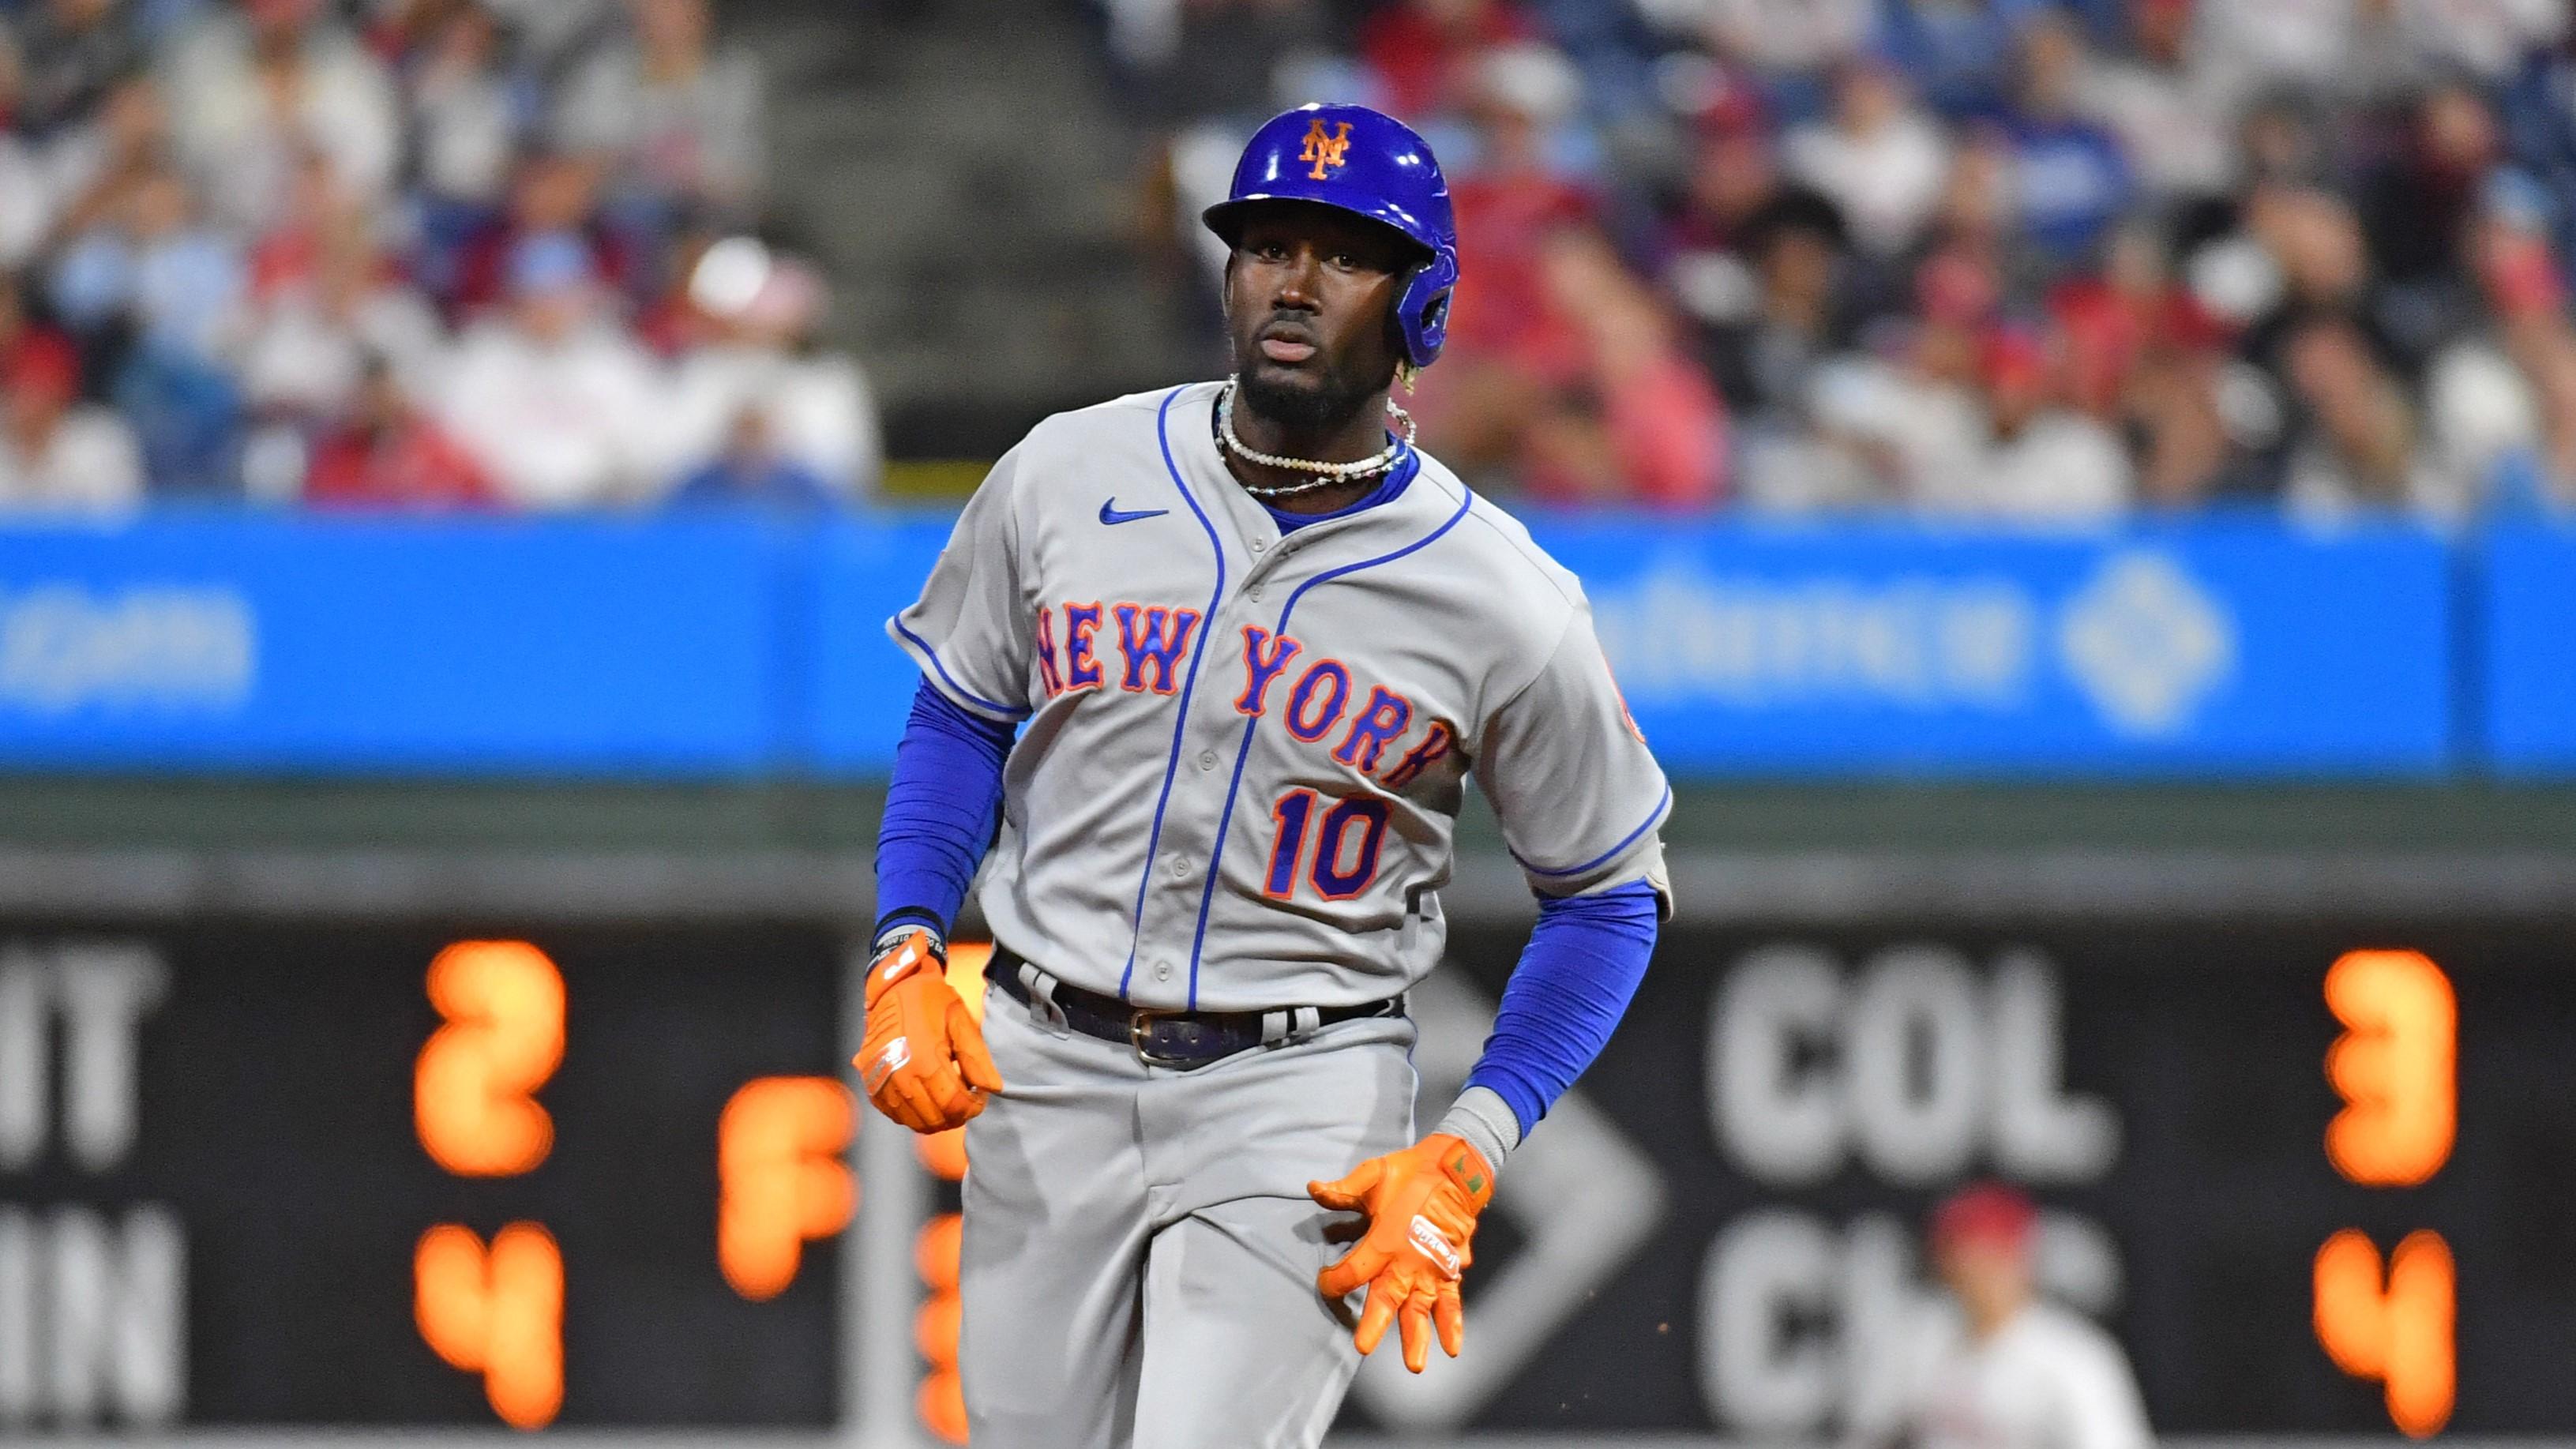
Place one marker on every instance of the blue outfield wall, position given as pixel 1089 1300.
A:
pixel 2527 625
pixel 2222 647
pixel 715 648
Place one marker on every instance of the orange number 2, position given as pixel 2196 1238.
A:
pixel 2394 1065
pixel 2400 1333
pixel 473 1089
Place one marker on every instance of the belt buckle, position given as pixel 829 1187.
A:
pixel 1140 1024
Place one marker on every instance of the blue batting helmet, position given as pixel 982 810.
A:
pixel 1371 165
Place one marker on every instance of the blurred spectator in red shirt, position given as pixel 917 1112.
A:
pixel 1624 418
pixel 390 455
pixel 2112 320
pixel 1508 199
pixel 1511 197
pixel 1423 52
pixel 57 453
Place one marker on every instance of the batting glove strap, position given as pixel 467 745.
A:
pixel 903 923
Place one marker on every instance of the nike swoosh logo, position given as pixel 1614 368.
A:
pixel 1111 513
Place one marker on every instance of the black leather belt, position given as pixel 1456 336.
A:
pixel 1180 1040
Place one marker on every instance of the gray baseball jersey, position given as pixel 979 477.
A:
pixel 1244 752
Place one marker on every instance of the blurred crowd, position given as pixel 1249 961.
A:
pixel 1980 258
pixel 405 253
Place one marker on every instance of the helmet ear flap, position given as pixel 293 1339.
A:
pixel 1422 311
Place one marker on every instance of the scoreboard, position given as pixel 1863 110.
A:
pixel 2311 1176
pixel 477 1172
pixel 434 1174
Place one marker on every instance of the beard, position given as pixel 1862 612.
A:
pixel 1305 402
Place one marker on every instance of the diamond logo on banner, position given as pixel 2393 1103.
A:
pixel 2145 644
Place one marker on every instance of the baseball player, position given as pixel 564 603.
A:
pixel 1207 671
pixel 2007 1369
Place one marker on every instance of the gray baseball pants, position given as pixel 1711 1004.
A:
pixel 1140 1253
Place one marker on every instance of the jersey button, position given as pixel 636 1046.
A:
pixel 1179 867
pixel 1207 759
pixel 1261 545
pixel 1253 593
pixel 1162 970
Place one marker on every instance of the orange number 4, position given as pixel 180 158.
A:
pixel 499 1314
pixel 2399 1333
pixel 2394 1066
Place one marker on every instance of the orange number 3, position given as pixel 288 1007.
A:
pixel 2394 1065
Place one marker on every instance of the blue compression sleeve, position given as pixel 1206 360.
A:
pixel 941 810
pixel 1583 962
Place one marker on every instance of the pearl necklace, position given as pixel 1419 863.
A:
pixel 1326 474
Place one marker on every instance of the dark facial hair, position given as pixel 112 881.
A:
pixel 1337 396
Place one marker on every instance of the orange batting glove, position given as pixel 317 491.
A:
pixel 1422 1205
pixel 923 1060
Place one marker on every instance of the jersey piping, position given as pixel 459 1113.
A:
pixel 1612 853
pixel 1180 717
pixel 1008 711
pixel 1243 749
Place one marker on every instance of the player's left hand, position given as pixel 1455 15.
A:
pixel 1421 1204
pixel 923 1060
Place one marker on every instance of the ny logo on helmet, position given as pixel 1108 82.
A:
pixel 1323 150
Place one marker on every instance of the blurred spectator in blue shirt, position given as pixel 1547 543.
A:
pixel 752 473
pixel 2069 176
pixel 180 281
pixel 1958 52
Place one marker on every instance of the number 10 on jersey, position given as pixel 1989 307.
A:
pixel 1346 842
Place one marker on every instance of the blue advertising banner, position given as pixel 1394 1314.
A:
pixel 2529 630
pixel 2224 646
pixel 712 647
pixel 399 646
pixel 862 684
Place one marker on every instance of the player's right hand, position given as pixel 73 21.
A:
pixel 923 1060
